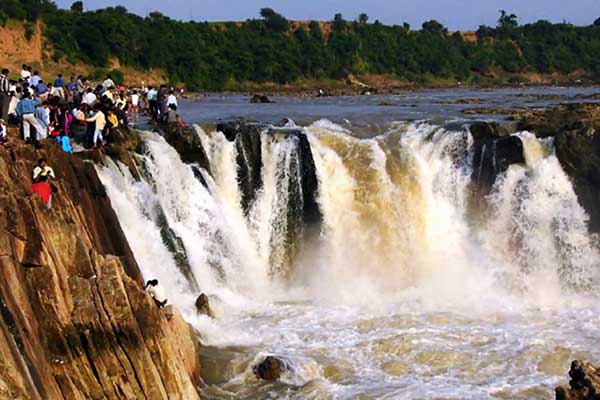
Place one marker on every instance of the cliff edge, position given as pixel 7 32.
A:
pixel 75 322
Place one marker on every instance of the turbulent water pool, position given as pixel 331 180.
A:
pixel 403 293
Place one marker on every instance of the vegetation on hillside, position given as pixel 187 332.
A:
pixel 272 49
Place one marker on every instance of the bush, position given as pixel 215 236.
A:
pixel 117 76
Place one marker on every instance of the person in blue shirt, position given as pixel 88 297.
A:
pixel 35 79
pixel 41 90
pixel 65 144
pixel 42 114
pixel 72 94
pixel 59 86
pixel 26 110
pixel 59 81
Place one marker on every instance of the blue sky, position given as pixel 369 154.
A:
pixel 455 14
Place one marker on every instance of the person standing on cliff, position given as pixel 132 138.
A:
pixel 4 94
pixel 156 292
pixel 25 74
pixel 3 134
pixel 26 110
pixel 100 119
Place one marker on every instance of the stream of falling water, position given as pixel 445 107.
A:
pixel 404 295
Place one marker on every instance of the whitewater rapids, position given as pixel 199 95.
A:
pixel 404 294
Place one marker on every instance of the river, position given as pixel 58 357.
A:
pixel 403 293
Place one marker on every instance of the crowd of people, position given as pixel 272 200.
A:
pixel 76 110
pixel 63 112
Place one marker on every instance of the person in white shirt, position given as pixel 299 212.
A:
pixel 89 98
pixel 25 74
pixel 3 135
pixel 156 292
pixel 172 99
pixel 135 103
pixel 108 83
pixel 14 102
pixel 42 170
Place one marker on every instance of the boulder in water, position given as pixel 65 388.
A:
pixel 495 151
pixel 188 145
pixel 260 99
pixel 487 130
pixel 584 383
pixel 203 305
pixel 270 369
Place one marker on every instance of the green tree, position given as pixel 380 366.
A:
pixel 339 23
pixel 77 7
pixel 434 27
pixel 274 21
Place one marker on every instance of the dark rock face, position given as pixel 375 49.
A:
pixel 175 246
pixel 188 145
pixel 575 128
pixel 248 143
pixel 584 383
pixel 270 369
pixel 203 305
pixel 579 155
pixel 249 162
pixel 495 151
pixel 302 212
pixel 78 325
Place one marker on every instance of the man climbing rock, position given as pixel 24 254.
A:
pixel 156 292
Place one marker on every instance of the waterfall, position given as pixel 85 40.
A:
pixel 395 221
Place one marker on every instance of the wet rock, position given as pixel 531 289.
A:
pixel 576 132
pixel 584 383
pixel 270 369
pixel 189 146
pixel 260 99
pixel 483 131
pixel 494 152
pixel 203 306
pixel 489 111
pixel 579 154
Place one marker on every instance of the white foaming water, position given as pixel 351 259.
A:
pixel 405 295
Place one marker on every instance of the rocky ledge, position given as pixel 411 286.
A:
pixel 584 383
pixel 575 129
pixel 75 322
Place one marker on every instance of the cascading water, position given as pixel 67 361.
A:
pixel 404 294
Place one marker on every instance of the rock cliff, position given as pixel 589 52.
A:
pixel 575 128
pixel 584 383
pixel 75 322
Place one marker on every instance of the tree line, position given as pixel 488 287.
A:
pixel 217 56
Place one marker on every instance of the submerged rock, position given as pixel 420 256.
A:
pixel 584 383
pixel 203 306
pixel 270 369
pixel 260 99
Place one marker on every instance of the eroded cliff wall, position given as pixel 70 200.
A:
pixel 75 321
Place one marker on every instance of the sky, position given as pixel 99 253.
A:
pixel 455 14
